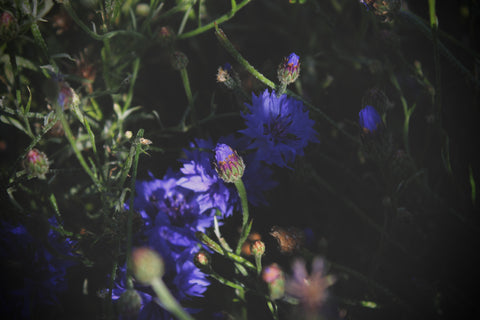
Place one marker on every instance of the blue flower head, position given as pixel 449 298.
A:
pixel 369 120
pixel 279 128
pixel 198 174
pixel 172 215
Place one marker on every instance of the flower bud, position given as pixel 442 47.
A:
pixel 369 120
pixel 36 164
pixel 275 279
pixel 142 9
pixel 229 165
pixel 67 97
pixel 166 36
pixel 376 141
pixel 202 260
pixel 147 265
pixel 224 75
pixel 257 248
pixel 179 60
pixel 8 26
pixel 129 304
pixel 289 70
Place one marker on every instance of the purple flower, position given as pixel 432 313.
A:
pixel 279 128
pixel 229 165
pixel 369 120
pixel 289 69
pixel 293 60
pixel 172 215
pixel 198 174
pixel 34 267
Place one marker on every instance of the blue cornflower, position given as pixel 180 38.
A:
pixel 279 128
pixel 369 120
pixel 34 267
pixel 172 216
pixel 198 174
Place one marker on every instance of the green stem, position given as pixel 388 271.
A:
pixel 407 112
pixel 436 58
pixel 218 249
pixel 129 162
pixel 168 301
pixel 282 88
pixel 245 230
pixel 185 18
pixel 222 37
pixel 188 92
pixel 258 263
pixel 138 147
pixel 273 309
pixel 128 101
pixel 71 139
pixel 226 282
pixel 214 24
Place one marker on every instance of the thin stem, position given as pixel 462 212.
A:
pixel 218 249
pixel 71 139
pixel 138 146
pixel 258 263
pixel 226 282
pixel 214 24
pixel 168 301
pixel 188 92
pixel 185 18
pixel 282 88
pixel 222 37
pixel 128 163
pixel 243 198
pixel 407 112
pixel 436 58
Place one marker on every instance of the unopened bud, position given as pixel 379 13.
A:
pixel 289 70
pixel 129 304
pixel 257 248
pixel 179 60
pixel 202 260
pixel 225 76
pixel 166 36
pixel 147 265
pixel 36 164
pixel 8 26
pixel 67 97
pixel 229 165
pixel 142 9
pixel 275 279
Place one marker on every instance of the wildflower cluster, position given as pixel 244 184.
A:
pixel 201 160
